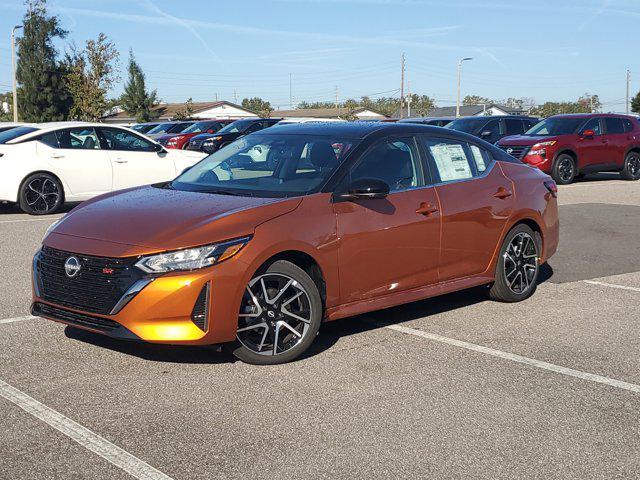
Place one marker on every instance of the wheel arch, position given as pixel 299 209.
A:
pixel 303 260
pixel 567 151
pixel 48 172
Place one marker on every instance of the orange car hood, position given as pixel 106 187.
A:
pixel 150 219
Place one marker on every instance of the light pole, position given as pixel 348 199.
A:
pixel 460 75
pixel 13 64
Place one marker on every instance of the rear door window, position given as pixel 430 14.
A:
pixel 614 125
pixel 79 139
pixel 449 158
pixel 513 126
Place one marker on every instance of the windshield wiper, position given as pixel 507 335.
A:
pixel 226 192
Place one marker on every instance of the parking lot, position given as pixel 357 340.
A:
pixel 451 387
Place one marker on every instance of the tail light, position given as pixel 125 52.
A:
pixel 552 187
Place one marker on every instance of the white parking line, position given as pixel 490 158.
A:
pixel 519 359
pixel 50 219
pixel 612 285
pixel 85 437
pixel 17 319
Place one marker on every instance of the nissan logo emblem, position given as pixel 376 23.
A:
pixel 509 151
pixel 72 267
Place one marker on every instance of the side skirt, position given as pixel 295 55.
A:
pixel 407 296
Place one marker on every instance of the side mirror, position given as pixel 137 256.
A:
pixel 158 148
pixel 588 134
pixel 364 189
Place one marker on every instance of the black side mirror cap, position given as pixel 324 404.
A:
pixel 364 189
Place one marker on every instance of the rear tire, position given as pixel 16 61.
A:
pixel 279 317
pixel 564 170
pixel 41 194
pixel 518 266
pixel 631 169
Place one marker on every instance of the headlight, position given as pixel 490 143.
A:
pixel 191 258
pixel 540 145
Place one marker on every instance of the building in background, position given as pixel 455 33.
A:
pixel 199 110
pixel 358 113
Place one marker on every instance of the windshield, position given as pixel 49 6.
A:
pixel 14 133
pixel 200 127
pixel 162 128
pixel 267 166
pixel 179 127
pixel 555 126
pixel 467 125
pixel 238 126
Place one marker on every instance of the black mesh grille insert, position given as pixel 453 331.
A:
pixel 97 323
pixel 200 312
pixel 96 288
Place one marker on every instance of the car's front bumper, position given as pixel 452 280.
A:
pixel 164 311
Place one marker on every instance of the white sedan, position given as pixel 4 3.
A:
pixel 42 166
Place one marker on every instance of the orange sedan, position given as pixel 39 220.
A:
pixel 259 243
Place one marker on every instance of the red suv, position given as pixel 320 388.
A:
pixel 570 146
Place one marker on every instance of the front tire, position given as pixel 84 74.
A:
pixel 41 194
pixel 518 266
pixel 631 170
pixel 279 317
pixel 564 170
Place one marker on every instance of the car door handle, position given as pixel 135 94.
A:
pixel 426 209
pixel 57 155
pixel 121 160
pixel 502 193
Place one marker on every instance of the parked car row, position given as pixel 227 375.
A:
pixel 45 165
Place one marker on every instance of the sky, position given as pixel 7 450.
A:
pixel 549 50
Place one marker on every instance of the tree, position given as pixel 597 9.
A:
pixel 421 105
pixel 476 100
pixel 6 107
pixel 186 112
pixel 135 100
pixel 590 103
pixel 258 105
pixel 635 103
pixel 585 104
pixel 92 73
pixel 42 96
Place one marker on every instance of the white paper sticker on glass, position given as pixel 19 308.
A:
pixel 451 162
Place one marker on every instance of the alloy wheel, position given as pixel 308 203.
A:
pixel 42 194
pixel 633 165
pixel 566 169
pixel 521 263
pixel 275 314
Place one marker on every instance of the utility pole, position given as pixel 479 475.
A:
pixel 235 96
pixel 337 100
pixel 13 64
pixel 409 99
pixel 401 83
pixel 290 91
pixel 459 76
pixel 628 89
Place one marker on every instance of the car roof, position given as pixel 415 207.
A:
pixel 592 115
pixel 42 128
pixel 357 130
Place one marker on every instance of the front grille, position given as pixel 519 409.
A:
pixel 517 151
pixel 200 312
pixel 97 323
pixel 97 286
pixel 195 144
